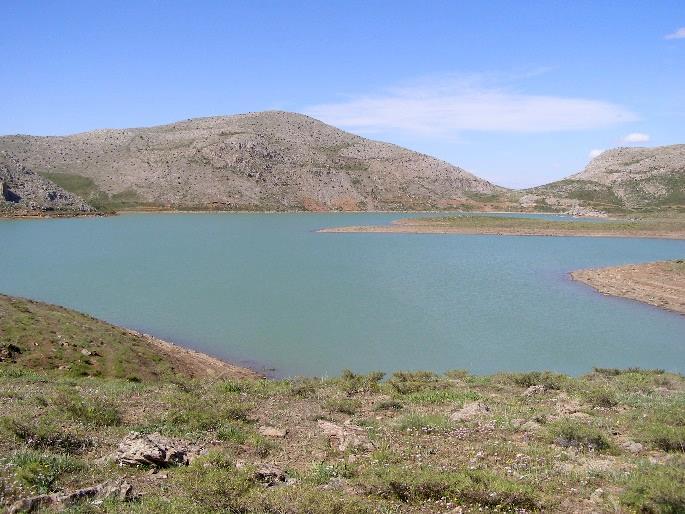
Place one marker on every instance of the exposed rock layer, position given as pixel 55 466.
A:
pixel 22 190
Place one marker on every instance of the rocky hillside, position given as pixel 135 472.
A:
pixel 623 179
pixel 24 192
pixel 268 160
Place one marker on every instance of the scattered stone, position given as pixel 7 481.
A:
pixel 566 406
pixel 9 351
pixel 469 411
pixel 534 390
pixel 118 489
pixel 580 415
pixel 597 496
pixel 633 447
pixel 531 426
pixel 270 475
pixel 269 431
pixel 86 352
pixel 346 436
pixel 155 450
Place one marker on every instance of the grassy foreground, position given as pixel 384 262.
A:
pixel 613 440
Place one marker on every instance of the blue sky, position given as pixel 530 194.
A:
pixel 517 92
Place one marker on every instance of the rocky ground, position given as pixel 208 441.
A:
pixel 658 283
pixel 23 192
pixel 81 433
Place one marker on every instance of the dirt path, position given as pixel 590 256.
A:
pixel 658 283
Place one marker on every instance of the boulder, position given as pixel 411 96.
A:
pixel 269 431
pixel 346 436
pixel 270 475
pixel 470 411
pixel 155 450
pixel 534 390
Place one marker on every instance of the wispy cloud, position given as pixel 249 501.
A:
pixel 449 104
pixel 678 34
pixel 636 137
pixel 595 152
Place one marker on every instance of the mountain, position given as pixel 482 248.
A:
pixel 257 161
pixel 623 179
pixel 24 192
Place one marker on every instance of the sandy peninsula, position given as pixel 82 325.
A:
pixel 661 228
pixel 657 283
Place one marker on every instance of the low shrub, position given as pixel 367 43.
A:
pixel 387 405
pixel 600 397
pixel 352 383
pixel 343 405
pixel 44 436
pixel 90 411
pixel 572 433
pixel 40 471
pixel 407 382
pixel 547 379
pixel 474 487
pixel 424 422
pixel 656 489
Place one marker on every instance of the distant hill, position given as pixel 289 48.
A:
pixel 257 161
pixel 623 179
pixel 24 192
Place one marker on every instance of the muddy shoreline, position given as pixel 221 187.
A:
pixel 661 284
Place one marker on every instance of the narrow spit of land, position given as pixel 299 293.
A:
pixel 658 283
pixel 95 418
pixel 664 228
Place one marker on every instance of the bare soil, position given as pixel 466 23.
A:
pixel 657 283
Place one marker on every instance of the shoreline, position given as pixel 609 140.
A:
pixel 60 215
pixel 485 232
pixel 660 284
pixel 483 225
pixel 200 363
pixel 51 338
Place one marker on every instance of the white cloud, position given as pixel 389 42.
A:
pixel 595 152
pixel 447 105
pixel 678 34
pixel 636 137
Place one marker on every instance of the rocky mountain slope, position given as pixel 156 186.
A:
pixel 23 191
pixel 624 179
pixel 260 161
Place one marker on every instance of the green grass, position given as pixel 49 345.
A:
pixel 51 337
pixel 657 489
pixel 476 487
pixel 424 422
pixel 98 412
pixel 85 188
pixel 38 471
pixel 576 434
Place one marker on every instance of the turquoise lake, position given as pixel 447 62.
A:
pixel 269 291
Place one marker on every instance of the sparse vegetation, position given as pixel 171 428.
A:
pixel 615 430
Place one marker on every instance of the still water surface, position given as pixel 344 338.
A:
pixel 267 290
